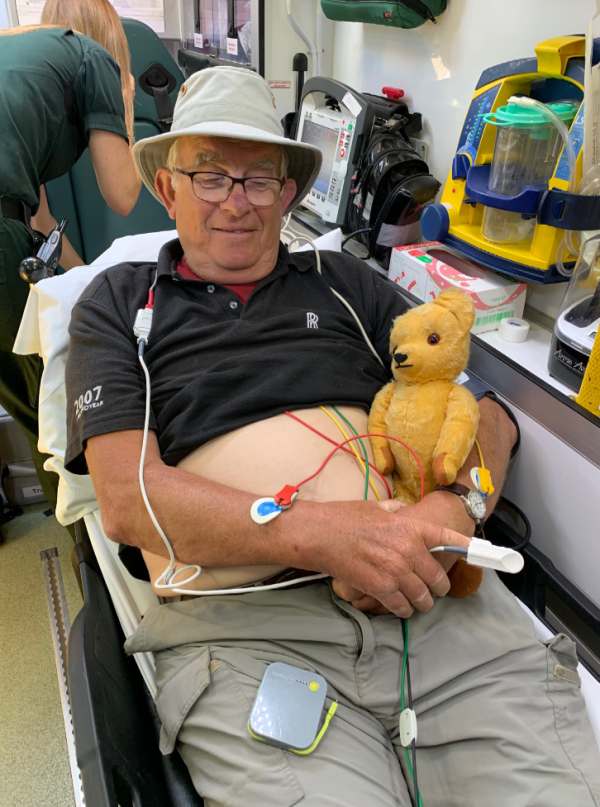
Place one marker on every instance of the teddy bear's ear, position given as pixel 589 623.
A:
pixel 459 304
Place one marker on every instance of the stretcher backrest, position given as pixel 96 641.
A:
pixel 44 330
pixel 92 226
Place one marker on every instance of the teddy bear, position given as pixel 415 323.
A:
pixel 426 409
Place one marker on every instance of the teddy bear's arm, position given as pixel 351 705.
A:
pixel 384 460
pixel 456 436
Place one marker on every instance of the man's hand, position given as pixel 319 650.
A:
pixel 386 556
pixel 430 509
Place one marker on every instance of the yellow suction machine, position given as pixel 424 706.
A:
pixel 508 198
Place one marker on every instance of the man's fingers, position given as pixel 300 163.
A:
pixel 416 592
pixel 432 574
pixel 397 604
pixel 366 603
pixel 434 535
pixel 344 590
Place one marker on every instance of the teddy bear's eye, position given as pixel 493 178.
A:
pixel 433 338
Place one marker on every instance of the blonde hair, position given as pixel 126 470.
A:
pixel 98 20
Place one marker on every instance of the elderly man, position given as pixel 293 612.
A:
pixel 247 347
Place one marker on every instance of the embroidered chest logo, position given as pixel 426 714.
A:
pixel 312 320
pixel 90 399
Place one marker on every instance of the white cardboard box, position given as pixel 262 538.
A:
pixel 425 270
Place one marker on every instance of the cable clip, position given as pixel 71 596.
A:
pixel 286 496
pixel 407 726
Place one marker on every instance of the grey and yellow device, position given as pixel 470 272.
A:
pixel 288 708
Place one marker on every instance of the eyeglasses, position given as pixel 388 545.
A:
pixel 209 186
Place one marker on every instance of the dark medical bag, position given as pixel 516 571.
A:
pixel 399 14
pixel 390 188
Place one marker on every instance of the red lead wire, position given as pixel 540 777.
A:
pixel 284 497
pixel 346 450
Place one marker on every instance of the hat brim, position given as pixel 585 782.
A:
pixel 304 160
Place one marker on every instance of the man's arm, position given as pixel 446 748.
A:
pixel 497 435
pixel 386 555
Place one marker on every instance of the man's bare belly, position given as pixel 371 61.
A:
pixel 264 456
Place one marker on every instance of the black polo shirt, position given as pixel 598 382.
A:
pixel 217 364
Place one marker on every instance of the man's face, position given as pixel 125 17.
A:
pixel 230 241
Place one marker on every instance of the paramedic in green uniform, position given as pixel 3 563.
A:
pixel 60 93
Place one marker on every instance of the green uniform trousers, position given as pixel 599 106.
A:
pixel 501 720
pixel 19 375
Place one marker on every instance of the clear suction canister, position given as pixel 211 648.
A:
pixel 525 154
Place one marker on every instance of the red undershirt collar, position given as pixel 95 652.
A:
pixel 241 290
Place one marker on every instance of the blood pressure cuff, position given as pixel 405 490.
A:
pixel 399 14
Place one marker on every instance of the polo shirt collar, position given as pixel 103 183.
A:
pixel 171 253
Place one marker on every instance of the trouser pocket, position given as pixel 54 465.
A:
pixel 182 677
pixel 570 714
pixel 204 704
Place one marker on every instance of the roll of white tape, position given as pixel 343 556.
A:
pixel 514 329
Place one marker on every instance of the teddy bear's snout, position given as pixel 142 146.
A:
pixel 400 358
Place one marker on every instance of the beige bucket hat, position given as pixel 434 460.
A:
pixel 227 102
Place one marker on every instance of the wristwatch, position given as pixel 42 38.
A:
pixel 473 500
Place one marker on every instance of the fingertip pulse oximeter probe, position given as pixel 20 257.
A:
pixel 483 553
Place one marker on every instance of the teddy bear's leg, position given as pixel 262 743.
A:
pixel 456 436
pixel 464 579
pixel 382 455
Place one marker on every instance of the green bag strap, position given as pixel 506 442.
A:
pixel 420 8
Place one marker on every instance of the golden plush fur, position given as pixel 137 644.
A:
pixel 425 408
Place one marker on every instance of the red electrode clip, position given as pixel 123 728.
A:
pixel 393 93
pixel 285 497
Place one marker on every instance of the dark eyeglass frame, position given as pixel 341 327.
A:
pixel 234 181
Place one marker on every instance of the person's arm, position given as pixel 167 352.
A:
pixel 115 170
pixel 44 222
pixel 383 554
pixel 497 435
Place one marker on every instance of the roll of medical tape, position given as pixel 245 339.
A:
pixel 514 329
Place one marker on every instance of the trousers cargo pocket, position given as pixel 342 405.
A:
pixel 570 715
pixel 204 704
pixel 182 676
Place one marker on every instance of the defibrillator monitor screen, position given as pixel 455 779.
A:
pixel 325 140
pixel 332 132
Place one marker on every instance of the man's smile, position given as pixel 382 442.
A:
pixel 235 229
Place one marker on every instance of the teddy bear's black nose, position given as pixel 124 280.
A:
pixel 400 358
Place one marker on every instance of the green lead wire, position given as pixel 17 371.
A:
pixel 363 449
pixel 407 754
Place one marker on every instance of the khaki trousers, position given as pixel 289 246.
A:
pixel 501 721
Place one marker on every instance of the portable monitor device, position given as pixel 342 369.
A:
pixel 288 709
pixel 338 120
pixel 344 124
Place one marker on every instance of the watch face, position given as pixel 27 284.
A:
pixel 477 504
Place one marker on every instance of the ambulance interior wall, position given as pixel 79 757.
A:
pixel 439 65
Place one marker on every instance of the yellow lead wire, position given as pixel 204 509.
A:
pixel 352 447
pixel 480 452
